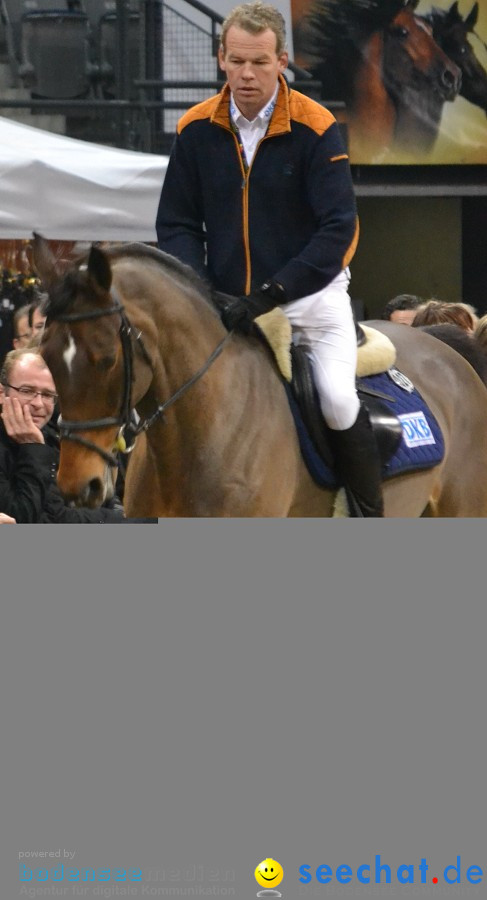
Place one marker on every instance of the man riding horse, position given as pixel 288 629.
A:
pixel 258 198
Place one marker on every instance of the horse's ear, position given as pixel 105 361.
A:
pixel 452 14
pixel 471 20
pixel 45 263
pixel 99 268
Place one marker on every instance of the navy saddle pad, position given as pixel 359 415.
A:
pixel 421 445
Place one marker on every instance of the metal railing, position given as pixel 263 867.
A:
pixel 178 67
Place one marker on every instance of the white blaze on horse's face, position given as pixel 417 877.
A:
pixel 424 25
pixel 70 353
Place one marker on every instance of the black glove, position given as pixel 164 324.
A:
pixel 240 314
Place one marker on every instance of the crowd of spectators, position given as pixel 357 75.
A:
pixel 456 324
pixel 408 309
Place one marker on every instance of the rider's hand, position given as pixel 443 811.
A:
pixel 240 314
pixel 18 422
pixel 237 316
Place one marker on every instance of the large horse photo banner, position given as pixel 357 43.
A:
pixel 412 75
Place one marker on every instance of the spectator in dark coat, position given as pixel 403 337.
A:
pixel 29 447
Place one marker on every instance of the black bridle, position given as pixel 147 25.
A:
pixel 68 430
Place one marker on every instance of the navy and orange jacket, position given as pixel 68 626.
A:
pixel 291 218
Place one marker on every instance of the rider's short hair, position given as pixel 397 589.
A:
pixel 254 18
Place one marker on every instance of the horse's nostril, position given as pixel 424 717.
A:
pixel 448 78
pixel 451 80
pixel 94 487
pixel 92 494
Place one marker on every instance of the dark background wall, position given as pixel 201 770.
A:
pixel 430 246
pixel 474 251
pixel 408 245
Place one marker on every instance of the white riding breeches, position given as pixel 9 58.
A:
pixel 323 325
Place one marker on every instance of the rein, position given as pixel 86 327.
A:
pixel 68 429
pixel 161 409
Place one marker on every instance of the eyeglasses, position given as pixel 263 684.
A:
pixel 30 394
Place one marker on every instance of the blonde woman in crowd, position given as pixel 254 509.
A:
pixel 440 312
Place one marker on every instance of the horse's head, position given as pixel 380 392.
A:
pixel 415 66
pixel 88 350
pixel 451 32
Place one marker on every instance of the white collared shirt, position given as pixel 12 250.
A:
pixel 252 132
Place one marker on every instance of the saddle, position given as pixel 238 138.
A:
pixel 386 426
pixel 376 354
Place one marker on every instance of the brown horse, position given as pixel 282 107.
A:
pixel 381 59
pixel 134 327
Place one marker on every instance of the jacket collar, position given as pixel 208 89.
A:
pixel 281 117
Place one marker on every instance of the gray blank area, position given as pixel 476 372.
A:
pixel 208 694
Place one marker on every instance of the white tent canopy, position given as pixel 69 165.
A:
pixel 73 190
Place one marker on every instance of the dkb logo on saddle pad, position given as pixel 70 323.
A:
pixel 415 429
pixel 421 446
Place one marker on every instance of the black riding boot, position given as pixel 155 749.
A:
pixel 358 463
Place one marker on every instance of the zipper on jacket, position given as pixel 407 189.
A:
pixel 245 215
pixel 245 207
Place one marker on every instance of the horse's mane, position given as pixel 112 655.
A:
pixel 335 30
pixel 64 293
pixel 175 266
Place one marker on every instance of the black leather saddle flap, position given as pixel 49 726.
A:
pixel 386 425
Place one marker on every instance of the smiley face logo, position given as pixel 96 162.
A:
pixel 269 873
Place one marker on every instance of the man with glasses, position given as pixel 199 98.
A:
pixel 29 447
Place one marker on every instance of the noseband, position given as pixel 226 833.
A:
pixel 68 429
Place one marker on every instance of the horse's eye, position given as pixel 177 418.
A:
pixel 105 363
pixel 401 31
pixel 463 49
